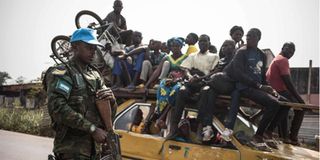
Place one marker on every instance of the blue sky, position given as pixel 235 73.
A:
pixel 28 26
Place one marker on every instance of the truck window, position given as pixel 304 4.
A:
pixel 132 119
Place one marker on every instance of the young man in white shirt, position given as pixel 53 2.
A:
pixel 202 63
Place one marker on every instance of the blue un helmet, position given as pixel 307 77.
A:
pixel 85 35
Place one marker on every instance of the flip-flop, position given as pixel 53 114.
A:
pixel 271 143
pixel 259 146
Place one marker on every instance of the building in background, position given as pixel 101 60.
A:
pixel 28 95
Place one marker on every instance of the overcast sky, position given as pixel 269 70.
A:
pixel 29 26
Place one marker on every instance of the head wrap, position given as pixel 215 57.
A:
pixel 176 40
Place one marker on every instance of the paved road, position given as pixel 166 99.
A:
pixel 18 146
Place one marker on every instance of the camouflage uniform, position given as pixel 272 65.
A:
pixel 71 105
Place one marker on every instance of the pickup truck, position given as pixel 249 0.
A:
pixel 154 146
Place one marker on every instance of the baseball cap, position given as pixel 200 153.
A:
pixel 86 35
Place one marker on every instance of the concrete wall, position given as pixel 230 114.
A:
pixel 30 103
pixel 8 102
pixel 11 102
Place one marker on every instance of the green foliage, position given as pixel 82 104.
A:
pixel 20 80
pixel 4 76
pixel 35 91
pixel 21 120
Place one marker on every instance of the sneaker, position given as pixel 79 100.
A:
pixel 131 88
pixel 207 133
pixel 140 86
pixel 226 134
pixel 156 86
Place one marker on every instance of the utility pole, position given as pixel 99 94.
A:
pixel 309 82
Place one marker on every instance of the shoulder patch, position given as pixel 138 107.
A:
pixel 63 86
pixel 59 72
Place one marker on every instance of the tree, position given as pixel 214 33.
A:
pixel 38 79
pixel 20 80
pixel 4 76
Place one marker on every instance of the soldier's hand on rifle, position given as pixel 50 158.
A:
pixel 99 135
pixel 105 94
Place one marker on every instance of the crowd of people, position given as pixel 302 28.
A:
pixel 239 70
pixel 82 107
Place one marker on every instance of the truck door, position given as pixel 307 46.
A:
pixel 135 145
pixel 174 150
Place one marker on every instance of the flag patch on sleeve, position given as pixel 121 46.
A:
pixel 63 86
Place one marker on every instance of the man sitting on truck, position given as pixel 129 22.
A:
pixel 248 69
pixel 278 76
pixel 129 63
pixel 153 57
pixel 219 83
pixel 203 62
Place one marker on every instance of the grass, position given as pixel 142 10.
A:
pixel 21 120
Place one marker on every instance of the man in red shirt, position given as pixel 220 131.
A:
pixel 278 76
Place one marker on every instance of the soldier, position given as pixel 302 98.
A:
pixel 73 89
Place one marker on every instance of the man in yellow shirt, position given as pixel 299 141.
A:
pixel 191 40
